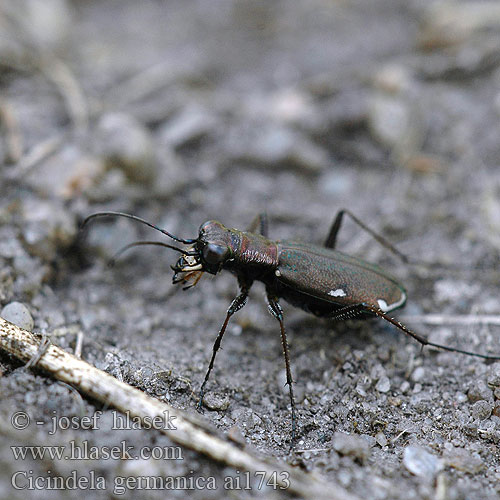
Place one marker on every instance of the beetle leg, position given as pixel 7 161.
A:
pixel 277 312
pixel 419 338
pixel 331 240
pixel 235 306
pixel 260 223
pixel 335 227
pixel 347 312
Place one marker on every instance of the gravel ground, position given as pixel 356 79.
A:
pixel 181 112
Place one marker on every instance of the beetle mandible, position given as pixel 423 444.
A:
pixel 318 279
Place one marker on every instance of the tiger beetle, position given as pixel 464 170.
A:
pixel 318 279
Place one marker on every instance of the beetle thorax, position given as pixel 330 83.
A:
pixel 256 249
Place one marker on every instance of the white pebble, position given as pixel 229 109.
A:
pixel 19 314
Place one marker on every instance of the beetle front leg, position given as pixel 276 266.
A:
pixel 277 312
pixel 235 306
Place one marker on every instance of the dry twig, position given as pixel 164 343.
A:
pixel 101 386
pixel 13 137
pixel 38 153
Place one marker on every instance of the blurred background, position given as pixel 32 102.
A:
pixel 184 111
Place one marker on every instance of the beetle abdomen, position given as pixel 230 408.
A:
pixel 336 278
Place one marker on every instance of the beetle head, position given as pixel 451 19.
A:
pixel 214 246
pixel 211 250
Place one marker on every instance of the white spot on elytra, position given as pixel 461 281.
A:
pixel 277 272
pixel 337 293
pixel 383 304
pixel 389 307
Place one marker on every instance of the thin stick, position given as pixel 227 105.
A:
pixel 143 83
pixel 13 136
pixel 101 386
pixel 79 344
pixel 54 69
pixel 59 73
pixel 38 153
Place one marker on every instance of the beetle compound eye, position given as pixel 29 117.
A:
pixel 214 254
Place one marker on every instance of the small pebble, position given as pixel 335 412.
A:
pixel 418 374
pixel 494 376
pixel 6 285
pixel 405 386
pixel 215 402
pixel 462 460
pixel 393 78
pixel 48 228
pixel 127 144
pixel 235 435
pixel 479 390
pixel 388 119
pixel 450 23
pixel 383 385
pixel 276 146
pixel 453 290
pixel 189 126
pixel 496 409
pixel 46 24
pixel 10 246
pixel 363 385
pixel 481 409
pixel 300 393
pixel 112 236
pixel 19 314
pixel 171 169
pixel 66 174
pixel 420 462
pixel 381 439
pixel 351 445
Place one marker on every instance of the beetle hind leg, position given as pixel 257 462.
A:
pixel 422 340
pixel 348 312
pixel 331 240
pixel 277 312
pixel 260 224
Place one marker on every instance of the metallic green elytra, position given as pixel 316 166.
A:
pixel 318 279
pixel 327 275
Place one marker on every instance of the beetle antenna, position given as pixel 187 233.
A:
pixel 134 217
pixel 112 261
pixel 423 340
